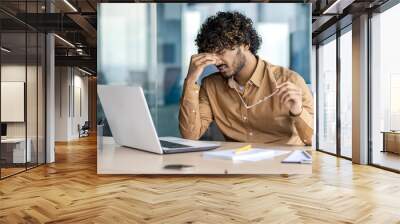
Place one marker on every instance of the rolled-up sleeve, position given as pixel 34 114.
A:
pixel 304 123
pixel 195 114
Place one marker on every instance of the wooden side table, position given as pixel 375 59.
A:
pixel 391 141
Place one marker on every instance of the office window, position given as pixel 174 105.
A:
pixel 327 96
pixel 346 94
pixel 125 54
pixel 385 88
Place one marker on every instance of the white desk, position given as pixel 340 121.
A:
pixel 114 159
pixel 19 155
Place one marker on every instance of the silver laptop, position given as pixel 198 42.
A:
pixel 129 118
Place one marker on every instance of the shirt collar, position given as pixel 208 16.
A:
pixel 257 75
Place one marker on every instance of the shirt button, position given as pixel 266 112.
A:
pixel 244 118
pixel 251 133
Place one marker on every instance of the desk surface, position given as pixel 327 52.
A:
pixel 390 132
pixel 13 140
pixel 115 159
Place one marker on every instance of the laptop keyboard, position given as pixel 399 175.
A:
pixel 172 145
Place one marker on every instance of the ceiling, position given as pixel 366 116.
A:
pixel 76 21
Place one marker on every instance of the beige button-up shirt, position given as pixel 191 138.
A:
pixel 268 122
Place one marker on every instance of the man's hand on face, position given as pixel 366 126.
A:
pixel 197 64
pixel 290 96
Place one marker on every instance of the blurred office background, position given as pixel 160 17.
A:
pixel 151 44
pixel 51 48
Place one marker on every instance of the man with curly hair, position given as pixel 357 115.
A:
pixel 250 99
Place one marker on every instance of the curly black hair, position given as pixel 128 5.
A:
pixel 225 30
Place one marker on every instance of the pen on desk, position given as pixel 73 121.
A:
pixel 177 166
pixel 308 161
pixel 243 149
pixel 306 154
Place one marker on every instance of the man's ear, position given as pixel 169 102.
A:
pixel 245 47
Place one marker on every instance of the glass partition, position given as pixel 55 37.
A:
pixel 41 97
pixel 31 99
pixel 22 88
pixel 14 153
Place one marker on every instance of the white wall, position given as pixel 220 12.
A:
pixel 79 117
pixel 12 101
pixel 13 73
pixel 34 125
pixel 62 81
pixel 17 73
pixel 71 87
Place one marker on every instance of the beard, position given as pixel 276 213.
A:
pixel 237 65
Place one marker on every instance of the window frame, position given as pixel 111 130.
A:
pixel 334 37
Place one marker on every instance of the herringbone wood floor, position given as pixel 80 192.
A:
pixel 70 191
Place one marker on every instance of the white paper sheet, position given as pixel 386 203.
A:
pixel 298 156
pixel 253 155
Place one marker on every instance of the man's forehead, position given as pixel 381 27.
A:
pixel 222 51
pixel 218 50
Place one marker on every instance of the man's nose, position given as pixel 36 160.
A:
pixel 219 61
